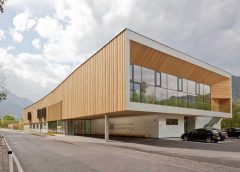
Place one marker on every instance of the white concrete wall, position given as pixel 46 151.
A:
pixel 146 126
pixel 202 121
pixel 171 130
pixel 37 129
pixel 26 127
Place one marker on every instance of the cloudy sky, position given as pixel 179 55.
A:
pixel 41 42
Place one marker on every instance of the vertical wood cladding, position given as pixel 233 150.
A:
pixel 221 96
pixel 96 87
pixel 54 112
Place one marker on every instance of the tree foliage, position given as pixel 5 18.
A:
pixel 3 91
pixel 2 2
pixel 7 119
pixel 235 120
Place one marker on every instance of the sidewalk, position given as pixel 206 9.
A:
pixel 4 167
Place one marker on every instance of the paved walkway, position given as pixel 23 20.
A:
pixel 3 157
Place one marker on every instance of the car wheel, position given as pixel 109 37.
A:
pixel 209 140
pixel 185 138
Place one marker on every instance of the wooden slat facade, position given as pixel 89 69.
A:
pixel 54 112
pixel 96 87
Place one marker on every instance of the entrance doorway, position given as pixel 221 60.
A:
pixel 189 124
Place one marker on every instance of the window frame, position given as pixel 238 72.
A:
pixel 178 84
pixel 171 121
pixel 160 79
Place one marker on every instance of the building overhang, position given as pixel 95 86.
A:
pixel 161 109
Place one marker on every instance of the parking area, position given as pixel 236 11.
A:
pixel 228 145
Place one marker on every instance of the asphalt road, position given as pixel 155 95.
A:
pixel 41 154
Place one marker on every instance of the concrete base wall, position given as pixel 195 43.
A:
pixel 44 129
pixel 170 130
pixel 154 126
pixel 143 126
pixel 202 121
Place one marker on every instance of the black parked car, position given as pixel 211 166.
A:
pixel 223 134
pixel 202 134
pixel 233 132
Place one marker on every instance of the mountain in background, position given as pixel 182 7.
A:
pixel 235 88
pixel 13 105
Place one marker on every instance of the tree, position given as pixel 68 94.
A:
pixel 2 2
pixel 235 120
pixel 3 91
pixel 7 119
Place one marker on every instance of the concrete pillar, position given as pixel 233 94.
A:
pixel 106 128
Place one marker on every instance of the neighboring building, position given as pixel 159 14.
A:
pixel 140 87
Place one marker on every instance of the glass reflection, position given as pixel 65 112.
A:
pixel 137 74
pixel 155 87
pixel 161 96
pixel 148 76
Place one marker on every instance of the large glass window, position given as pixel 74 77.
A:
pixel 172 98
pixel 172 82
pixel 207 97
pixel 191 101
pixel 158 79
pixel 148 76
pixel 164 80
pixel 137 74
pixel 131 73
pixel 197 89
pixel 136 92
pixel 147 94
pixel 180 84
pixel 161 96
pixel 191 87
pixel 182 99
pixel 185 85
pixel 155 87
pixel 131 92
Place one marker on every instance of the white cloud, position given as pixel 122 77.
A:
pixel 34 69
pixel 23 21
pixel 48 27
pixel 36 43
pixel 2 34
pixel 16 36
pixel 9 48
pixel 70 31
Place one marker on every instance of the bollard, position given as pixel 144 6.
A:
pixel 10 161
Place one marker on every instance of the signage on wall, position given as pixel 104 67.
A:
pixel 122 126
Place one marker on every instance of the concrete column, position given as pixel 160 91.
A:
pixel 106 128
